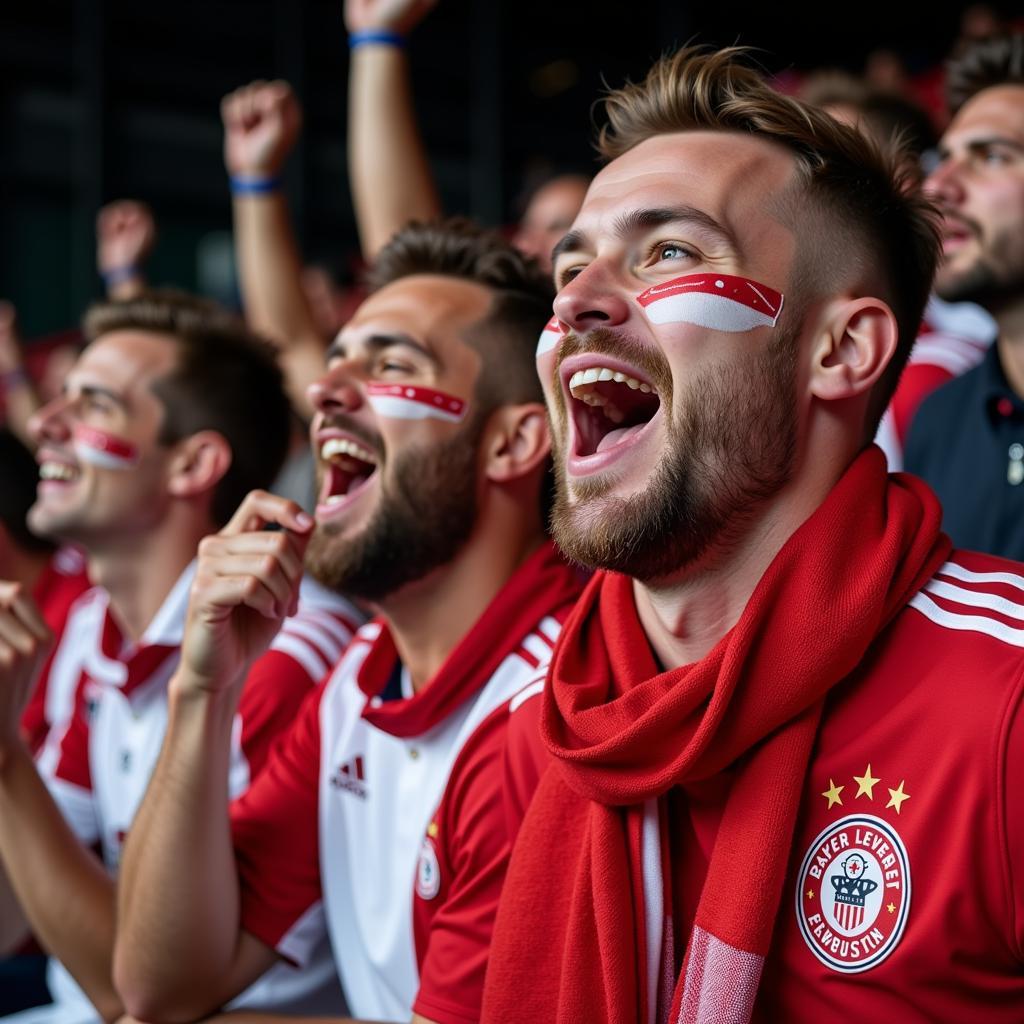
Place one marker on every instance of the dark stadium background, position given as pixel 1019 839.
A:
pixel 103 99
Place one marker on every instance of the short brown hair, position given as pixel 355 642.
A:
pixel 507 337
pixel 226 379
pixel 983 65
pixel 846 181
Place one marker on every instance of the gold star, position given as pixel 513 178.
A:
pixel 891 908
pixel 432 830
pixel 866 784
pixel 832 794
pixel 810 894
pixel 897 796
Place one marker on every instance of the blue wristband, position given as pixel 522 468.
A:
pixel 118 275
pixel 382 37
pixel 254 185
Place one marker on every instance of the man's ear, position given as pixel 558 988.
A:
pixel 855 342
pixel 198 464
pixel 516 441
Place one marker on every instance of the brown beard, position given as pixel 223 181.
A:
pixel 730 448
pixel 427 510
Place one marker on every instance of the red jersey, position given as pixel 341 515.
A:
pixel 380 817
pixel 904 898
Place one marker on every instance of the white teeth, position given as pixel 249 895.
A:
pixel 343 446
pixel 56 471
pixel 602 373
pixel 333 499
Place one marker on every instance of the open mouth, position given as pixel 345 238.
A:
pixel 348 466
pixel 609 407
pixel 55 471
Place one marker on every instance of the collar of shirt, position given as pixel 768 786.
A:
pixel 126 664
pixel 1001 401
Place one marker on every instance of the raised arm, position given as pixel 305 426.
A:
pixel 388 169
pixel 125 234
pixel 180 950
pixel 63 890
pixel 261 125
pixel 19 394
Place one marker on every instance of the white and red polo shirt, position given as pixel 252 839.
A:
pixel 381 812
pixel 61 584
pixel 98 770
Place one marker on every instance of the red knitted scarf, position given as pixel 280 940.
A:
pixel 571 942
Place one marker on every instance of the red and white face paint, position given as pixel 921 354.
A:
pixel 409 402
pixel 554 331
pixel 99 448
pixel 716 301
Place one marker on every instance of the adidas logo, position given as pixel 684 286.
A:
pixel 350 777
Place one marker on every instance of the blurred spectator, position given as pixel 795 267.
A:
pixel 151 448
pixel 967 439
pixel 125 235
pixel 388 167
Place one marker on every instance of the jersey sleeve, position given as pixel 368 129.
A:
pixel 275 830
pixel 1011 785
pixel 302 654
pixel 63 764
pixel 461 869
pixel 525 756
pixel 465 855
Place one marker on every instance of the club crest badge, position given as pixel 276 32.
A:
pixel 853 893
pixel 428 871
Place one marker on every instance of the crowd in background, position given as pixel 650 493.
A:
pixel 100 529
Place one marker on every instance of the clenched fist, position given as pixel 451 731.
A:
pixel 261 124
pixel 125 233
pixel 25 640
pixel 246 583
pixel 386 15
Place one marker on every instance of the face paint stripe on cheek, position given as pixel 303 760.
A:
pixel 716 301
pixel 105 450
pixel 554 331
pixel 409 402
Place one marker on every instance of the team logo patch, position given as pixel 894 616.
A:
pixel 853 893
pixel 428 871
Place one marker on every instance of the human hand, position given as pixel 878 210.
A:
pixel 125 233
pixel 261 125
pixel 400 16
pixel 246 584
pixel 25 640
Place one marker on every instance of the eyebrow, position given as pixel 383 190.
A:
pixel 95 389
pixel 976 145
pixel 379 342
pixel 636 221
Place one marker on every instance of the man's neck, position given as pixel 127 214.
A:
pixel 429 618
pixel 1011 345
pixel 684 618
pixel 139 572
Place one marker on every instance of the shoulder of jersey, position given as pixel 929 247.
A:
pixel 320 631
pixel 974 594
pixel 537 646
